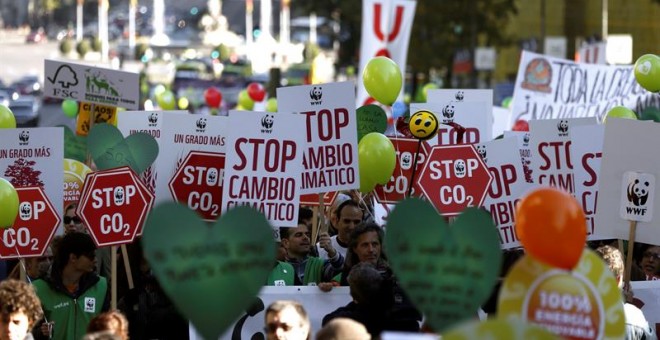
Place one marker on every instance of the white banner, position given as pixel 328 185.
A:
pixel 629 145
pixel 331 156
pixel 550 143
pixel 647 298
pixel 34 158
pixel 86 83
pixel 551 88
pixel 265 163
pixel 386 28
pixel 475 117
pixel 586 154
pixel 523 138
pixel 502 157
pixel 317 304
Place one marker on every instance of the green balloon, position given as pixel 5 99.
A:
pixel 70 108
pixel 245 101
pixel 8 204
pixel 370 118
pixel 448 271
pixel 376 158
pixel 166 100
pixel 382 79
pixel 620 112
pixel 271 105
pixel 650 113
pixel 109 148
pixel 647 72
pixel 506 102
pixel 7 119
pixel 213 272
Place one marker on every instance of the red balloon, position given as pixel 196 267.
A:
pixel 213 97
pixel 521 125
pixel 552 227
pixel 256 91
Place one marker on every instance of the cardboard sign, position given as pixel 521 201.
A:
pixel 330 157
pixel 317 305
pixel 552 88
pixel 637 195
pixel 460 95
pixel 523 138
pixel 179 135
pixel 475 117
pixel 629 146
pixel 74 178
pixel 386 28
pixel 647 298
pixel 508 185
pixel 33 158
pixel 102 114
pixel 85 83
pixel 550 143
pixel 586 154
pixel 264 166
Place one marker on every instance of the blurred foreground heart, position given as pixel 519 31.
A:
pixel 448 271
pixel 109 148
pixel 212 272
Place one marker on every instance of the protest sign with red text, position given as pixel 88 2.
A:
pixel 586 153
pixel 508 185
pixel 475 117
pixel 264 164
pixel 330 143
pixel 550 142
pixel 525 153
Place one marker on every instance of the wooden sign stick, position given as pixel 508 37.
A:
pixel 629 255
pixel 113 277
pixel 127 266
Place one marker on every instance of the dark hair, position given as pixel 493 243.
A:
pixel 347 203
pixel 305 213
pixel 72 243
pixel 365 282
pixel 280 305
pixel 351 257
pixel 18 296
pixel 115 322
pixel 285 232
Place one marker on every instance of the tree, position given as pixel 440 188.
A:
pixel 23 174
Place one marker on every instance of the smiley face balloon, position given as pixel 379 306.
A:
pixel 423 125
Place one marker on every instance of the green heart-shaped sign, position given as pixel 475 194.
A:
pixel 75 147
pixel 447 270
pixel 370 118
pixel 109 148
pixel 211 272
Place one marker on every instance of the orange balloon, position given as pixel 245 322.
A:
pixel 551 226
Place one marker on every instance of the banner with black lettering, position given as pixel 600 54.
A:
pixel 552 88
pixel 330 135
pixel 550 143
pixel 264 164
pixel 386 28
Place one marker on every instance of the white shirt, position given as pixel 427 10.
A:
pixel 324 254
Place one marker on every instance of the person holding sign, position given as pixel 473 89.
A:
pixel 636 325
pixel 346 217
pixel 309 270
pixel 73 293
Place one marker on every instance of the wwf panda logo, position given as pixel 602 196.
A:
pixel 153 118
pixel 315 94
pixel 267 121
pixel 526 138
pixel 459 96
pixel 201 124
pixel 562 127
pixel 406 160
pixel 638 192
pixel 119 196
pixel 24 137
pixel 481 150
pixel 25 211
pixel 448 112
pixel 459 168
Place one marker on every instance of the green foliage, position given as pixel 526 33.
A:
pixel 95 43
pixel 82 48
pixel 311 51
pixel 224 52
pixel 66 46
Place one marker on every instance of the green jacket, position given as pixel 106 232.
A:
pixel 72 312
pixel 281 275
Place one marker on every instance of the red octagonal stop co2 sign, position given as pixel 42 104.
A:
pixel 198 183
pixel 113 207
pixel 454 178
pixel 397 188
pixel 34 227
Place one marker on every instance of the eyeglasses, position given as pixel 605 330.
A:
pixel 69 219
pixel 273 327
pixel 652 255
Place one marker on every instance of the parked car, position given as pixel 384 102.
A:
pixel 28 85
pixel 26 111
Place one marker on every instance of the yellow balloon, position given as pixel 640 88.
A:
pixel 8 203
pixel 183 103
pixel 382 79
pixel 7 119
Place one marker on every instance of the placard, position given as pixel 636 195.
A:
pixel 508 185
pixel 475 117
pixel 630 145
pixel 586 155
pixel 523 138
pixel 647 298
pixel 330 158
pixel 550 143
pixel 637 195
pixel 85 83
pixel 34 157
pixel 264 166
